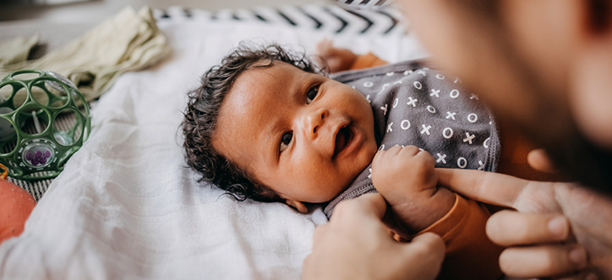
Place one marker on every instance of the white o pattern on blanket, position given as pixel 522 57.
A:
pixel 431 129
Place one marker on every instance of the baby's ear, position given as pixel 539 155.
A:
pixel 297 205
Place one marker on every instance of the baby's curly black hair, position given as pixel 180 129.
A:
pixel 202 114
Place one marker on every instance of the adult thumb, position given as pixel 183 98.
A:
pixel 426 252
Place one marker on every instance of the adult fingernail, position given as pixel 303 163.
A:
pixel 578 256
pixel 558 226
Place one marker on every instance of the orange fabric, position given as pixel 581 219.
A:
pixel 15 207
pixel 469 252
pixel 366 61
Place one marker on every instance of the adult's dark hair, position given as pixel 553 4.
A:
pixel 201 117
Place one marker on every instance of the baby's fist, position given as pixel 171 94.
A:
pixel 402 173
pixel 406 178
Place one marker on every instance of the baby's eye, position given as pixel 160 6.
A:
pixel 312 93
pixel 285 140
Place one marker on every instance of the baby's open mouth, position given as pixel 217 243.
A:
pixel 343 137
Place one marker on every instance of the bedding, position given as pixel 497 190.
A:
pixel 127 206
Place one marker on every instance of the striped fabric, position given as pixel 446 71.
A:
pixel 331 18
pixel 364 4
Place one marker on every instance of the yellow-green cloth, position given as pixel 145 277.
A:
pixel 16 50
pixel 129 41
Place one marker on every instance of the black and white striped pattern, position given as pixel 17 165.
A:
pixel 326 18
pixel 364 4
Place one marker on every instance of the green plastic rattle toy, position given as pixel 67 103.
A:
pixel 37 133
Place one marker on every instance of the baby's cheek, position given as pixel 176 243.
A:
pixel 322 187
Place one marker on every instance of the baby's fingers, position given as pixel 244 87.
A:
pixel 381 155
pixel 324 46
pixel 410 150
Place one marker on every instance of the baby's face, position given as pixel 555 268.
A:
pixel 302 134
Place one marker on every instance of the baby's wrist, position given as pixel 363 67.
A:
pixel 424 210
pixel 440 203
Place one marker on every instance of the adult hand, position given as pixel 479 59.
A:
pixel 355 244
pixel 558 230
pixel 538 159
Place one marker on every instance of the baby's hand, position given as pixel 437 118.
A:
pixel 402 171
pixel 337 59
pixel 407 179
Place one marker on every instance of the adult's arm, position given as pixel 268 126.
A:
pixel 558 229
pixel 355 244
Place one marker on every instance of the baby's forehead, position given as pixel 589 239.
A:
pixel 268 81
pixel 256 95
pixel 261 96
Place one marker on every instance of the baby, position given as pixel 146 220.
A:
pixel 267 125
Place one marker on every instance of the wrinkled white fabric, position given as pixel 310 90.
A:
pixel 127 206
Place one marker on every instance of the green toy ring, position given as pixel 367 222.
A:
pixel 37 132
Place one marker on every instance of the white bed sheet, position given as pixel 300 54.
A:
pixel 127 206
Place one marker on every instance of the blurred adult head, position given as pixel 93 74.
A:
pixel 545 65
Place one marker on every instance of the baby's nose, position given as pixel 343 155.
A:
pixel 314 120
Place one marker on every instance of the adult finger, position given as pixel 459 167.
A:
pixel 428 251
pixel 509 228
pixel 579 276
pixel 492 188
pixel 538 159
pixel 429 244
pixel 371 205
pixel 543 260
pixel 319 233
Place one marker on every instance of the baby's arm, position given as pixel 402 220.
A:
pixel 406 177
pixel 339 59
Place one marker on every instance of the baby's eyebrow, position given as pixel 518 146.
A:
pixel 305 82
